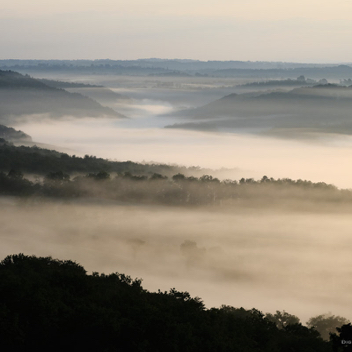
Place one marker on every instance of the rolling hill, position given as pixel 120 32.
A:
pixel 22 95
pixel 321 108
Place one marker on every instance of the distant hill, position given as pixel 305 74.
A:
pixel 63 85
pixel 280 83
pixel 322 108
pixel 23 95
pixel 177 67
pixel 315 72
pixel 101 94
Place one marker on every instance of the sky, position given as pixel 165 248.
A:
pixel 255 30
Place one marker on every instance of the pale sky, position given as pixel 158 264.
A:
pixel 270 30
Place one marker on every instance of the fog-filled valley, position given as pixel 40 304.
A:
pixel 229 180
pixel 272 259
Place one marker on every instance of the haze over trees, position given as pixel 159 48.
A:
pixel 40 161
pixel 61 175
pixel 326 324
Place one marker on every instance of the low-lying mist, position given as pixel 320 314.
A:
pixel 326 157
pixel 268 259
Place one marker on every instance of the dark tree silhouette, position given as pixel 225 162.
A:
pixel 54 305
pixel 343 340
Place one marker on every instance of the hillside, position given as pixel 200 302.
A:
pixel 41 161
pixel 101 94
pixel 322 108
pixel 22 95
pixel 279 84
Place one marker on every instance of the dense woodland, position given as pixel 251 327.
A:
pixel 49 304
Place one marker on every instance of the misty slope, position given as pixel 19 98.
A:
pixel 22 95
pixel 322 108
pixel 181 191
pixel 12 135
pixel 147 183
pixel 41 161
pixel 99 93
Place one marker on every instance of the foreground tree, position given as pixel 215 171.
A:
pixel 343 340
pixel 53 305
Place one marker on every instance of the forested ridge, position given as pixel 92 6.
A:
pixel 41 161
pixel 50 304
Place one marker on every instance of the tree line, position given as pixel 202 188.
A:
pixel 177 190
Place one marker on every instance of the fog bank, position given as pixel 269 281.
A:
pixel 246 257
pixel 324 158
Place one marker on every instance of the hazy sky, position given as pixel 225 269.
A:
pixel 305 31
